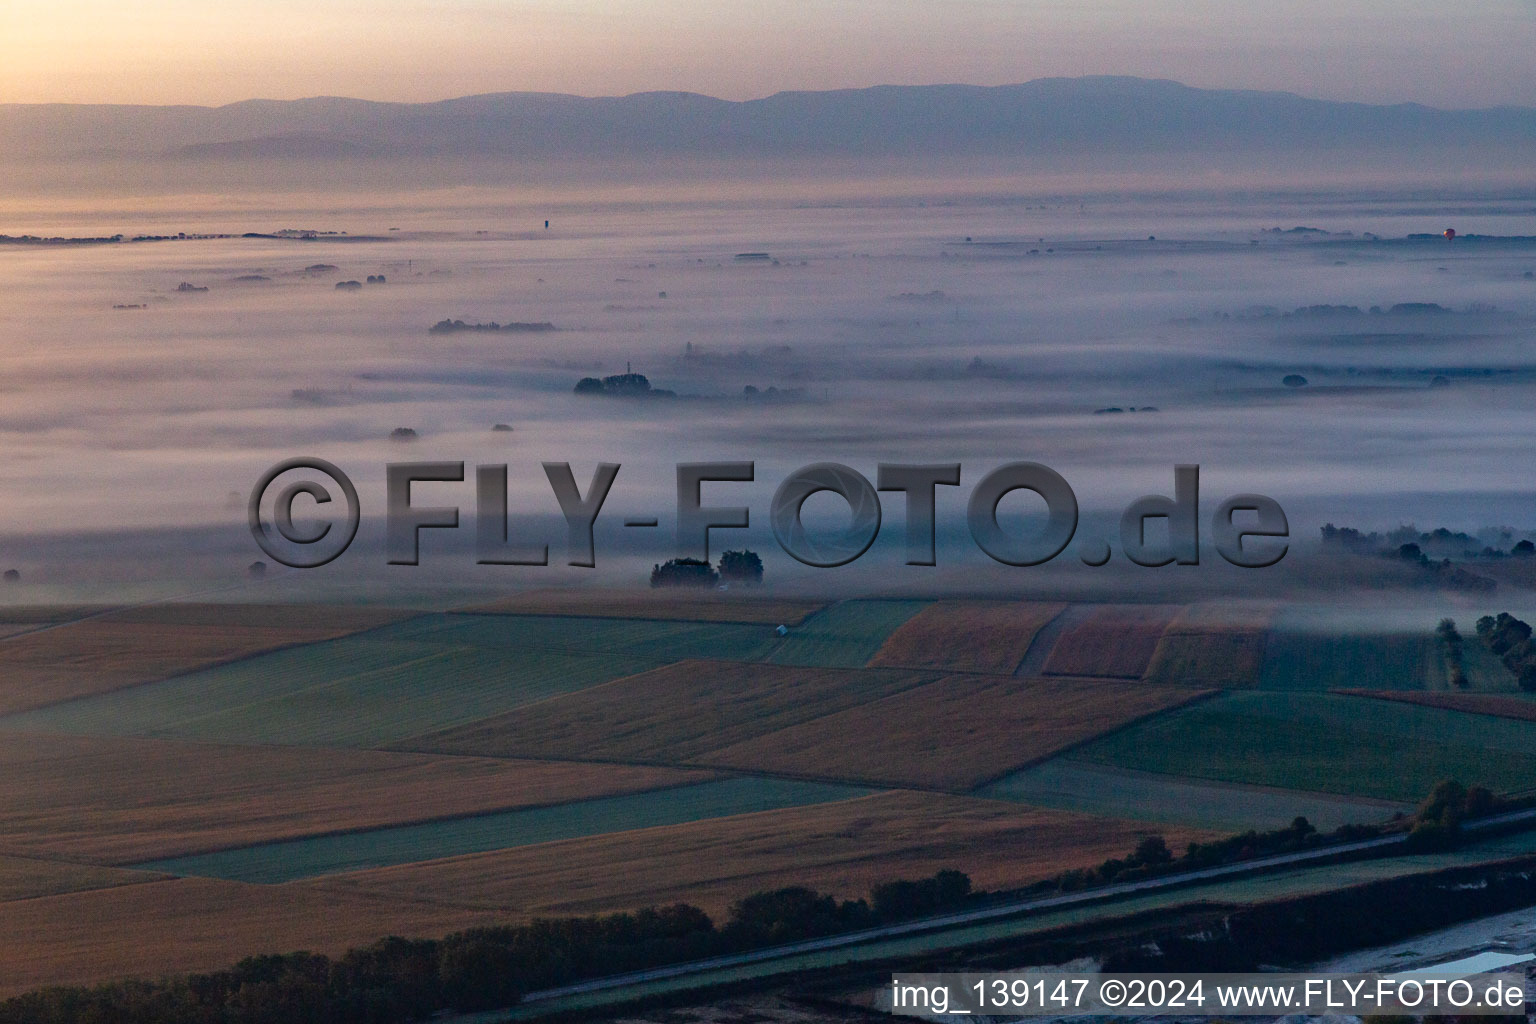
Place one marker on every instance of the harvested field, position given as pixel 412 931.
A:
pixel 1326 743
pixel 359 691
pixel 108 653
pixel 196 924
pixel 1117 641
pixel 1224 660
pixel 967 636
pixel 26 878
pixel 674 713
pixel 1214 645
pixel 1497 704
pixel 405 844
pixel 1226 616
pixel 954 733
pixel 172 702
pixel 843 848
pixel 845 635
pixel 1094 789
pixel 120 801
pixel 696 607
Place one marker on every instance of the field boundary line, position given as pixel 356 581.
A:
pixel 656 668
pixel 747 773
pixel 1044 640
pixel 151 878
pixel 200 668
pixel 409 744
pixel 1198 697
pixel 473 612
pixel 441 819
pixel 1249 787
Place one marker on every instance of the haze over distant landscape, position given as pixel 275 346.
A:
pixel 180 51
pixel 316 313
pixel 1070 117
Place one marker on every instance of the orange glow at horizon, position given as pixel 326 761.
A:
pixel 177 51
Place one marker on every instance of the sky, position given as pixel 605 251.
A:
pixel 218 51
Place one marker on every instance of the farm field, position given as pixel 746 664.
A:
pixel 1326 743
pixel 1116 640
pixel 26 878
pixel 673 714
pixel 644 638
pixel 196 924
pixel 1312 649
pixel 1225 660
pixel 202 924
pixel 119 800
pixel 44 614
pixel 403 844
pixel 111 652
pixel 954 733
pixel 330 619
pixel 844 635
pixel 1095 789
pixel 171 702
pixel 729 607
pixel 1497 704
pixel 967 636
pixel 842 848
pixel 445 688
pixel 1213 646
pixel 1238 892
pixel 263 779
pixel 360 691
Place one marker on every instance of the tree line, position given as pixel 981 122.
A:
pixel 734 567
pixel 397 980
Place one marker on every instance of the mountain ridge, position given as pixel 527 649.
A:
pixel 1093 114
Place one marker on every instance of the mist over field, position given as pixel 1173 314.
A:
pixel 586 774
pixel 902 315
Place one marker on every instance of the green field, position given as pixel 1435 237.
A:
pixel 1115 792
pixel 358 691
pixel 1327 743
pixel 1312 649
pixel 846 635
pixel 644 638
pixel 271 863
pixel 427 673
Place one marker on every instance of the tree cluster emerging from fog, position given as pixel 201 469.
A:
pixel 736 567
pixel 1510 639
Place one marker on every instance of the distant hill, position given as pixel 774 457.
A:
pixel 1070 116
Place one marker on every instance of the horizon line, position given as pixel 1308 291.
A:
pixel 759 99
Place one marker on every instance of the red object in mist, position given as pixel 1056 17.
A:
pixel 1450 234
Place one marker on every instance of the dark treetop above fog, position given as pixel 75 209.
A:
pixel 1079 115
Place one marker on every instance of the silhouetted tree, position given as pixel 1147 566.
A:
pixel 741 567
pixel 683 572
